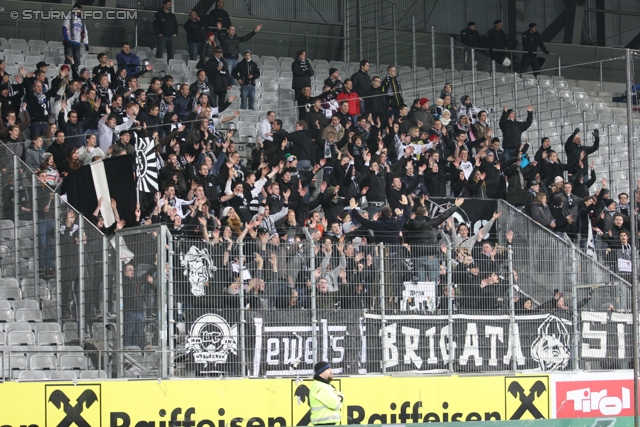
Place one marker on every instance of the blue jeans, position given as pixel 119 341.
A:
pixel 46 242
pixel 247 91
pixel 427 268
pixel 231 63
pixel 73 50
pixel 510 153
pixel 162 42
pixel 134 328
pixel 194 48
pixel 304 165
pixel 37 129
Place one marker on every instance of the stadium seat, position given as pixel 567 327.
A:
pixel 31 376
pixel 10 293
pixel 28 315
pixel 62 375
pixel 93 374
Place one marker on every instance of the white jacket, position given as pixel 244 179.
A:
pixel 74 30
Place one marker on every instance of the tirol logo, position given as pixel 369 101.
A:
pixel 526 398
pixel 210 340
pixel 551 347
pixel 580 399
pixel 199 268
pixel 73 405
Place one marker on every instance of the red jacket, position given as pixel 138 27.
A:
pixel 354 102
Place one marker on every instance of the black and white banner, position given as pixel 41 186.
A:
pixel 282 341
pixel 146 165
pixel 473 212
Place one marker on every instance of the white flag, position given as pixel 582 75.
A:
pixel 146 165
pixel 591 246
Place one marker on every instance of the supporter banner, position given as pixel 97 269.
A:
pixel 283 342
pixel 414 343
pixel 473 212
pixel 83 187
pixel 272 402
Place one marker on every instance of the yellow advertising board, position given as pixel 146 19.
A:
pixel 269 402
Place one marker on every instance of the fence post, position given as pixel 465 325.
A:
pixel 414 59
pixel 395 38
pixel 512 311
pixel 474 73
pixel 515 94
pixel 243 319
pixel 433 61
pixel 453 64
pixel 16 215
pixel 538 106
pixel 450 299
pixel 383 320
pixel 57 216
pixel 601 82
pixel 609 151
pixel 81 273
pixel 314 313
pixel 561 125
pixel 559 66
pixel 119 344
pixel 163 304
pixel 105 295
pixel 34 217
pixel 574 290
pixel 495 93
pixel 377 36
pixel 172 315
pixel 345 29
pixel 359 29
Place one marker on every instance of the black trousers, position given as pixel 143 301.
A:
pixel 530 60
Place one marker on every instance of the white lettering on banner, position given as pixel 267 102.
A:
pixel 431 333
pixel 586 401
pixel 514 343
pixel 599 350
pixel 471 347
pixel 389 350
pixel 494 333
pixel 593 351
pixel 444 348
pixel 411 341
pixel 293 346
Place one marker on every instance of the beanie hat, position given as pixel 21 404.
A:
pixel 320 367
pixel 423 101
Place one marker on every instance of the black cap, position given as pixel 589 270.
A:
pixel 320 367
pixel 607 202
pixel 533 182
pixel 262 230
pixel 217 49
pixel 168 91
pixel 41 64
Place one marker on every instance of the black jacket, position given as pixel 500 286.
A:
pixel 302 72
pixel 194 30
pixel 531 41
pixel 218 15
pixel 573 151
pixel 231 44
pixel 374 102
pixel 219 79
pixel 470 38
pixel 243 70
pixel 512 130
pixel 497 39
pixel 361 82
pixel 165 23
pixel 422 233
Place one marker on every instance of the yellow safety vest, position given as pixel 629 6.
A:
pixel 325 402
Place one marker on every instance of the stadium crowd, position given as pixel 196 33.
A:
pixel 359 154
